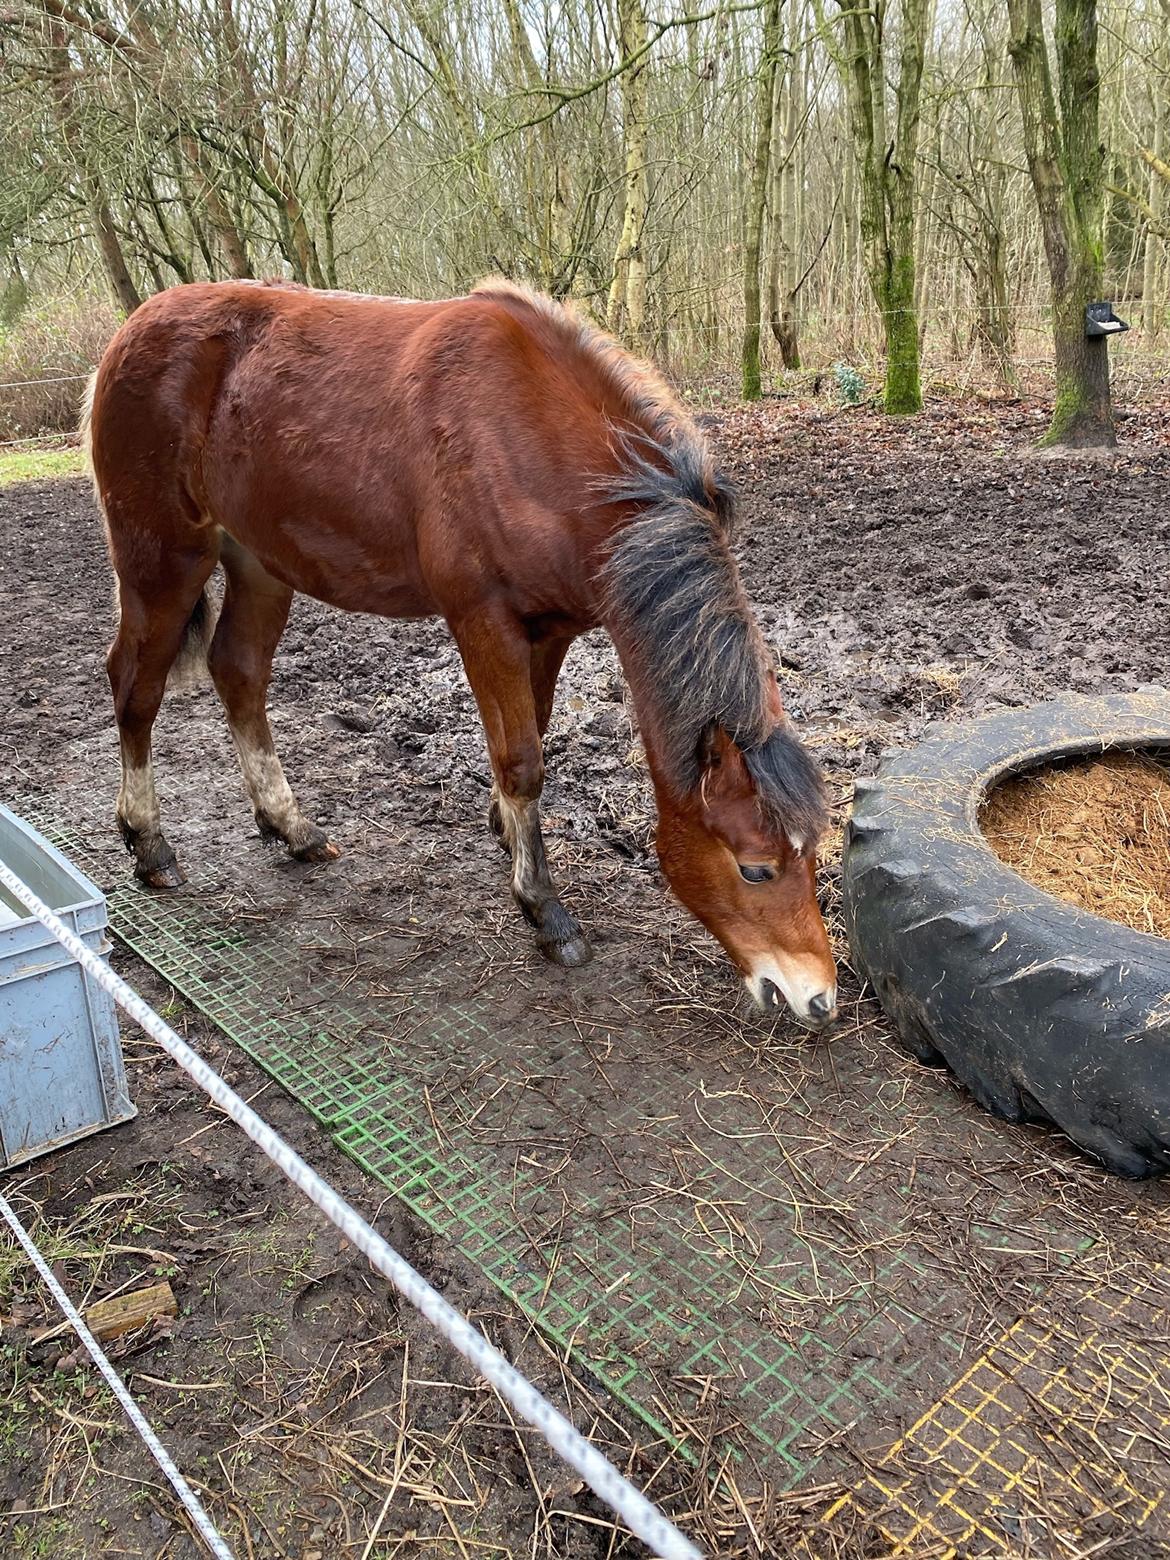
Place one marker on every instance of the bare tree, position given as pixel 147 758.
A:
pixel 784 276
pixel 627 293
pixel 1067 164
pixel 886 137
pixel 65 99
pixel 757 196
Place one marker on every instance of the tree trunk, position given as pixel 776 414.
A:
pixel 122 284
pixel 1082 415
pixel 552 176
pixel 14 293
pixel 627 293
pixel 999 339
pixel 757 195
pixel 851 247
pixel 996 337
pixel 886 179
pixel 1066 162
pixel 903 382
pixel 271 172
pixel 783 278
pixel 222 223
pixel 113 258
pixel 1152 303
pixel 894 290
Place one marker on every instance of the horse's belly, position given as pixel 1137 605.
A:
pixel 344 569
pixel 331 516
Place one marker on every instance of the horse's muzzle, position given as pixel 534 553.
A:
pixel 818 1013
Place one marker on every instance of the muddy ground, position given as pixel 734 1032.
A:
pixel 903 573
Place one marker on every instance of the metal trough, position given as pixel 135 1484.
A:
pixel 61 1072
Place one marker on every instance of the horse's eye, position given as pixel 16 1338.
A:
pixel 753 874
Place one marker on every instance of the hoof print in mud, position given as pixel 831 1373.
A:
pixel 1045 1010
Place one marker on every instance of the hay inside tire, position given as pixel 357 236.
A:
pixel 1044 1010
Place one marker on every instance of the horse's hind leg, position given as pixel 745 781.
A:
pixel 513 683
pixel 255 611
pixel 154 618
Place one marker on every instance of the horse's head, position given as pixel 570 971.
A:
pixel 740 852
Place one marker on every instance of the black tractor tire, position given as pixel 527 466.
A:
pixel 1044 1011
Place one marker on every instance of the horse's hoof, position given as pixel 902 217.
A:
pixel 570 954
pixel 318 850
pixel 169 875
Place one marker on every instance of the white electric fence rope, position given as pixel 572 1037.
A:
pixel 638 1513
pixel 135 1415
pixel 56 379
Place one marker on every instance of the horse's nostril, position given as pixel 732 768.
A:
pixel 822 1004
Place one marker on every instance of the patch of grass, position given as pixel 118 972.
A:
pixel 14 1406
pixel 277 1249
pixel 43 1538
pixel 39 465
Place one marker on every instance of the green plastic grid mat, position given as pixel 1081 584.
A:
pixel 760 1287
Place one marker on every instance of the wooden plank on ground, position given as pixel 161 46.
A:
pixel 123 1313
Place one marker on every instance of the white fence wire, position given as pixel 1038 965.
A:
pixel 203 1523
pixel 56 379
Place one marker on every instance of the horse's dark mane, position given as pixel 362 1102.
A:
pixel 673 591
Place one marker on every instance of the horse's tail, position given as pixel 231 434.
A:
pixel 189 668
pixel 87 421
pixel 190 665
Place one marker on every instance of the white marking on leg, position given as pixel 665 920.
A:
pixel 137 798
pixel 271 793
pixel 517 821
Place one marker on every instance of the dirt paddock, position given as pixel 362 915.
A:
pixel 813 1299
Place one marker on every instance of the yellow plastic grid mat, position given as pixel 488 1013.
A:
pixel 1055 1441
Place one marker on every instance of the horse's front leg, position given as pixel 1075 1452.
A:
pixel 502 667
pixel 546 657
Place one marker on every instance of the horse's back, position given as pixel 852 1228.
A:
pixel 381 454
pixel 219 352
pixel 252 408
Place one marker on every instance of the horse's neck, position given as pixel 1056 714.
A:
pixel 657 725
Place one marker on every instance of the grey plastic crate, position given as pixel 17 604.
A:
pixel 61 1073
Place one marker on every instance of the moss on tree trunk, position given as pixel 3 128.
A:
pixel 903 390
pixel 1067 163
pixel 886 158
pixel 1082 414
pixel 895 295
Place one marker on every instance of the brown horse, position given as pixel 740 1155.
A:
pixel 491 460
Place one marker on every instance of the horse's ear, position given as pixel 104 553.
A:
pixel 723 497
pixel 715 747
pixel 723 770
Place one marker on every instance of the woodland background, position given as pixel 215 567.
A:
pixel 654 163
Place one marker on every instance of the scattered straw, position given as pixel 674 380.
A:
pixel 1095 832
